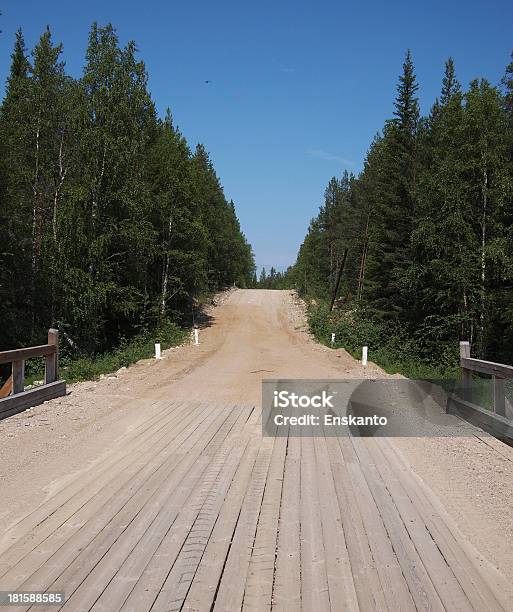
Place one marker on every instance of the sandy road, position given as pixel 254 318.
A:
pixel 250 335
pixel 253 335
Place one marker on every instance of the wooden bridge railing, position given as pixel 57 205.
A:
pixel 499 420
pixel 498 371
pixel 13 397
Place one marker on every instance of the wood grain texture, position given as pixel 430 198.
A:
pixel 195 510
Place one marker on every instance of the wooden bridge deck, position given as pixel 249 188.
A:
pixel 194 510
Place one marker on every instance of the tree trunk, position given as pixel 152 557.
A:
pixel 483 258
pixel 165 274
pixel 339 276
pixel 363 260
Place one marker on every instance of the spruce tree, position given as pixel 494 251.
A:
pixel 395 206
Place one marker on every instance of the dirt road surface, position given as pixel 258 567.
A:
pixel 154 489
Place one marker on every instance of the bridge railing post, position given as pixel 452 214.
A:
pixel 18 376
pixel 466 375
pixel 499 397
pixel 52 361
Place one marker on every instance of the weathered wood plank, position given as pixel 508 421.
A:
pixel 105 477
pixel 18 378
pixel 363 565
pixel 466 375
pixel 26 399
pixel 196 511
pixel 99 558
pixel 487 367
pixel 74 537
pixel 208 575
pixel 287 581
pixel 183 547
pixel 230 595
pixel 259 582
pixel 27 353
pixel 499 397
pixel 494 424
pixel 314 578
pixel 430 580
pixel 341 586
pixel 395 589
pixel 458 554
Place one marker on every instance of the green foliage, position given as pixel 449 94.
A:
pixel 273 280
pixel 390 344
pixel 429 228
pixel 109 224
pixel 128 352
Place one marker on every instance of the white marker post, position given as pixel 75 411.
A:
pixel 157 351
pixel 196 335
pixel 364 356
pixel 332 338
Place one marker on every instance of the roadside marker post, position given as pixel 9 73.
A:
pixel 332 338
pixel 157 351
pixel 196 335
pixel 364 356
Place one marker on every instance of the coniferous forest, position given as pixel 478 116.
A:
pixel 428 225
pixel 109 224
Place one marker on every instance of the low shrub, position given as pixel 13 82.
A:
pixel 392 345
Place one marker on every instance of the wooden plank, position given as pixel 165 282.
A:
pixel 395 589
pixel 230 595
pixel 88 563
pixel 342 592
pixel 258 591
pixel 106 476
pixel 314 578
pixel 6 389
pixel 121 482
pixel 287 579
pixel 365 575
pixel 182 549
pixel 21 401
pixel 61 546
pixel 150 561
pixel 494 424
pixel 487 367
pixel 461 557
pixel 466 375
pixel 431 582
pixel 27 353
pixel 206 580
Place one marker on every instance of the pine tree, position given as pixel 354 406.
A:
pixel 396 201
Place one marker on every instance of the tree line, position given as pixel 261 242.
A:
pixel 109 223
pixel 428 223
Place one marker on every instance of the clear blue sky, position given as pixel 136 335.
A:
pixel 298 89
